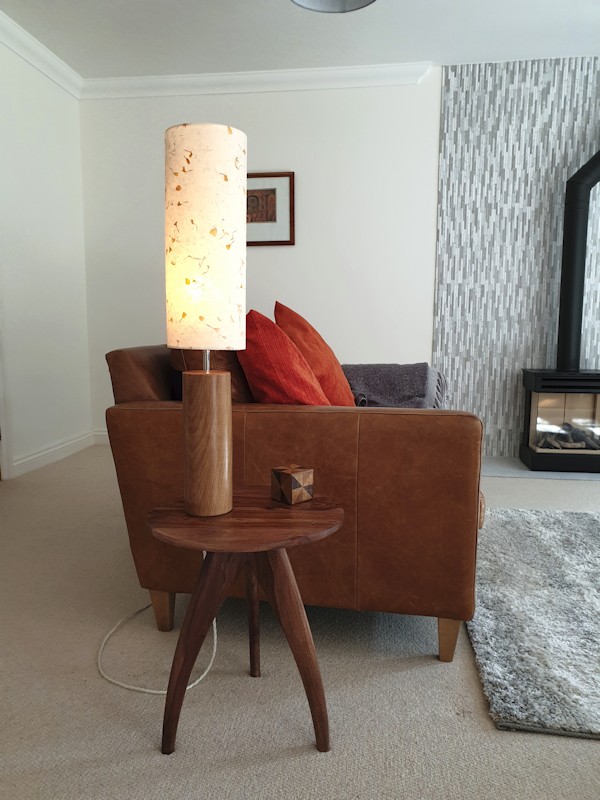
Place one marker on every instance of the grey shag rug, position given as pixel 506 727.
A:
pixel 536 629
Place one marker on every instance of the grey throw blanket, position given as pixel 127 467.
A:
pixel 396 385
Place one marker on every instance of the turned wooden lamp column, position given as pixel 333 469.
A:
pixel 205 261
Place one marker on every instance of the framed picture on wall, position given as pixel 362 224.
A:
pixel 270 208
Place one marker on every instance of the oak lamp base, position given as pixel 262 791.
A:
pixel 208 465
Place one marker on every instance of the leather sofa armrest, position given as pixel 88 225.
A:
pixel 408 481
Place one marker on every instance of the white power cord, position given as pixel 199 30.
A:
pixel 125 619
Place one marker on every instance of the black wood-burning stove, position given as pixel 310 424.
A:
pixel 562 420
pixel 561 429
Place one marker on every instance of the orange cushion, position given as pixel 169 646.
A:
pixel 319 355
pixel 275 369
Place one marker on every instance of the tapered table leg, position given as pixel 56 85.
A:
pixel 254 534
pixel 277 579
pixel 253 616
pixel 217 573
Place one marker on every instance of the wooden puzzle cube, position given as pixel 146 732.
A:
pixel 293 484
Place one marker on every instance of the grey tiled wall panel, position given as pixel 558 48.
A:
pixel 512 134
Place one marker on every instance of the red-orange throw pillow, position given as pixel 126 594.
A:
pixel 275 369
pixel 319 355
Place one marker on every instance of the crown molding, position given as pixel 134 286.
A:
pixel 29 49
pixel 249 82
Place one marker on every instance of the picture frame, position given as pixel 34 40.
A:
pixel 270 209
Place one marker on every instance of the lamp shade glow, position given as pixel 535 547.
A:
pixel 205 237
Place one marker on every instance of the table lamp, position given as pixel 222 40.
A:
pixel 205 265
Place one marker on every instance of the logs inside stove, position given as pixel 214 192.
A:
pixel 562 406
pixel 568 437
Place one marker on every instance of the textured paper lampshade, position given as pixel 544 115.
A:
pixel 205 266
pixel 205 237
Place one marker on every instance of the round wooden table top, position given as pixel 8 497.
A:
pixel 255 524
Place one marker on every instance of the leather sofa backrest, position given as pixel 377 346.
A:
pixel 140 373
pixel 148 372
pixel 225 360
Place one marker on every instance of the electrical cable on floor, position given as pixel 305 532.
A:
pixel 125 619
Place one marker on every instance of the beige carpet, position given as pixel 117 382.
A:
pixel 403 725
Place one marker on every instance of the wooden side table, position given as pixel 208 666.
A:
pixel 253 537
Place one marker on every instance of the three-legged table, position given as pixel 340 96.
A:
pixel 253 537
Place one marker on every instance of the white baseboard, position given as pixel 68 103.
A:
pixel 54 453
pixel 100 437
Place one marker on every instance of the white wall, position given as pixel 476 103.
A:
pixel 362 270
pixel 44 361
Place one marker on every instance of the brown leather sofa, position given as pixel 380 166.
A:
pixel 407 479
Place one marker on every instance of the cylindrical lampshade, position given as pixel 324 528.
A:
pixel 205 237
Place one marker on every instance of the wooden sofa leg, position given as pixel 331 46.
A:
pixel 163 605
pixel 447 635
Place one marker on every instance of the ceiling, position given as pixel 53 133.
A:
pixel 133 38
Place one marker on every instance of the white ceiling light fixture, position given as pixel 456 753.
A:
pixel 333 6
